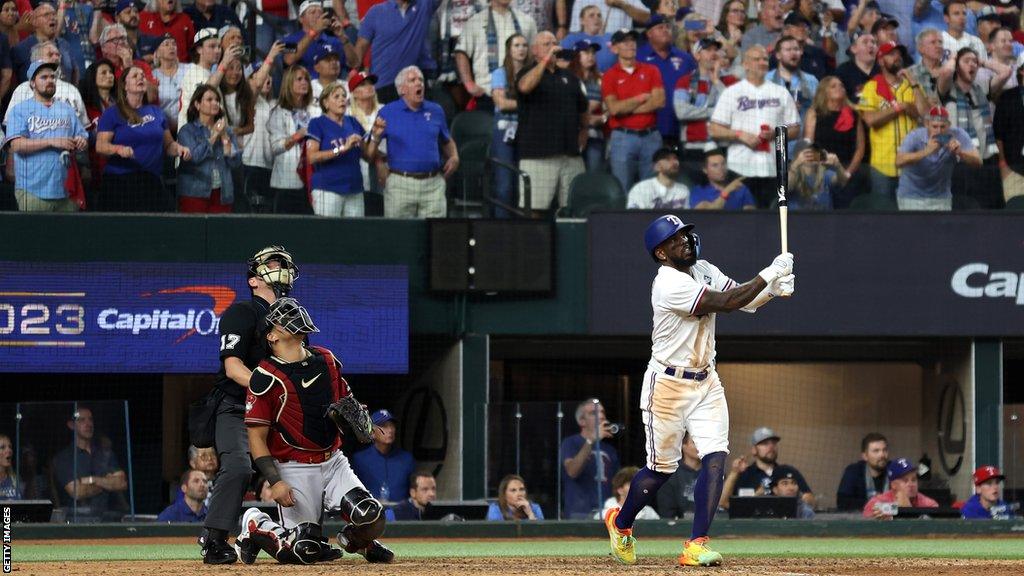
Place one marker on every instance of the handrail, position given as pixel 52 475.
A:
pixel 527 192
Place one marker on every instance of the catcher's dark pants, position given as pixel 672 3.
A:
pixel 232 443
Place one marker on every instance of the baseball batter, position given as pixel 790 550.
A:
pixel 295 442
pixel 681 391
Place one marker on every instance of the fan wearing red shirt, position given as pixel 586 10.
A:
pixel 167 18
pixel 633 93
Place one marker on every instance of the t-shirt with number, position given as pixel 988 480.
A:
pixel 342 174
pixel 680 337
pixel 240 337
pixel 746 107
pixel 146 139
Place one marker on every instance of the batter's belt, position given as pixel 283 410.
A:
pixel 695 374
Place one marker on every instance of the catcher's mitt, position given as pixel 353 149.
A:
pixel 348 410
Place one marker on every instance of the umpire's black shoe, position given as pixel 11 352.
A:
pixel 218 551
pixel 377 553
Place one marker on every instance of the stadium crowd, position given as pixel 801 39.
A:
pixel 384 107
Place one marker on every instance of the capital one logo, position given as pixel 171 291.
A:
pixel 975 280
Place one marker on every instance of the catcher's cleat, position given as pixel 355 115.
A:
pixel 329 553
pixel 622 541
pixel 697 553
pixel 217 551
pixel 377 553
pixel 244 545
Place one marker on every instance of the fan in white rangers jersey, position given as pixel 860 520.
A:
pixel 681 390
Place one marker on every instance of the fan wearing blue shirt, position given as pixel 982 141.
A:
pixel 673 64
pixel 191 507
pixel 334 145
pixel 383 467
pixel 592 31
pixel 395 32
pixel 719 193
pixel 44 134
pixel 986 503
pixel 319 33
pixel 580 455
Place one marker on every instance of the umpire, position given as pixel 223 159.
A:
pixel 271 274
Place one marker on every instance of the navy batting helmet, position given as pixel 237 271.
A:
pixel 666 227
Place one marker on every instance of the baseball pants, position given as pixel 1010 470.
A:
pixel 316 487
pixel 232 442
pixel 672 406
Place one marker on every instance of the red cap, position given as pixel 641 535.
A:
pixel 939 113
pixel 888 48
pixel 986 473
pixel 358 78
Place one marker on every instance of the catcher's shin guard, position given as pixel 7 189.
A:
pixel 365 517
pixel 302 545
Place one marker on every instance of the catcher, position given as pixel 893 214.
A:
pixel 296 403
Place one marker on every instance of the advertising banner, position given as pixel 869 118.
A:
pixel 895 274
pixel 164 317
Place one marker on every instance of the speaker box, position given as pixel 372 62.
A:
pixel 492 256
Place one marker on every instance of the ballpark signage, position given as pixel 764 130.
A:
pixel 165 317
pixel 857 274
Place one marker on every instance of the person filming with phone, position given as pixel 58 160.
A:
pixel 926 159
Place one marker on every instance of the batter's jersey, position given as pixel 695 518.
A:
pixel 240 328
pixel 680 338
pixel 292 398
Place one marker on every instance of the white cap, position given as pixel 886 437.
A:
pixel 309 4
pixel 203 34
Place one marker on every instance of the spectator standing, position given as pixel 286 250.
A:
pixel 834 125
pixel 552 125
pixel 97 95
pixel 134 135
pixel 661 192
pixel 422 492
pixel 320 34
pixel 482 45
pixel 886 29
pixel 814 176
pixel 506 117
pixel 580 455
pixel 865 478
pixel 931 14
pixel 1008 129
pixel 890 111
pixel 192 507
pixel 421 151
pixel 210 14
pixel 287 127
pixel 239 100
pixel 955 36
pixel 512 502
pixel 800 85
pixel 44 135
pixel 205 184
pixel 76 18
pixel 620 488
pixel 768 28
pixel 99 478
pixel 616 14
pixel 720 193
pixel 675 497
pixel 672 63
pixel 926 73
pixel 452 16
pixel 633 92
pixel 745 117
pixel 47 29
pixel 592 30
pixel 988 21
pixel 861 67
pixel 327 65
pixel 257 158
pixel 10 488
pixel 115 46
pixel 165 17
pixel 10 22
pixel 986 503
pixel 1001 50
pixel 785 484
pixel 171 75
pixel 758 476
pixel 732 24
pixel 395 31
pixel 66 92
pixel 542 12
pixel 204 68
pixel 126 13
pixel 585 68
pixel 364 109
pixel 384 468
pixel 814 60
pixel 902 12
pixel 694 98
pixel 334 146
pixel 927 157
pixel 902 492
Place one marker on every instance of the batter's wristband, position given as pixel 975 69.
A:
pixel 268 468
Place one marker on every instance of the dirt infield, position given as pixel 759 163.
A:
pixel 537 567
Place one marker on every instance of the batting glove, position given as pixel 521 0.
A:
pixel 784 286
pixel 781 266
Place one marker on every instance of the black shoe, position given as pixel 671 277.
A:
pixel 377 553
pixel 218 552
pixel 329 553
pixel 247 549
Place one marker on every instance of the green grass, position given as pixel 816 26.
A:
pixel 979 548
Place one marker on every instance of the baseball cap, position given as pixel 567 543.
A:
pixel 381 416
pixel 358 78
pixel 124 5
pixel 39 65
pixel 986 473
pixel 662 153
pixel 938 113
pixel 581 45
pixel 656 20
pixel 309 4
pixel 795 18
pixel 899 468
pixel 987 13
pixel 782 472
pixel 325 51
pixel 204 34
pixel 148 44
pixel 763 433
pixel 883 22
pixel 223 30
pixel 623 34
pixel 705 43
pixel 890 46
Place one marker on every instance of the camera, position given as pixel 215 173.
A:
pixel 944 138
pixel 290 48
pixel 695 25
pixel 887 508
pixel 616 428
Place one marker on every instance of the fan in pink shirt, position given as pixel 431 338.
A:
pixel 902 492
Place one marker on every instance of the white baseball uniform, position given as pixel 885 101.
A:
pixel 316 487
pixel 692 399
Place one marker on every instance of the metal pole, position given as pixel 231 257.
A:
pixel 131 482
pixel 17 445
pixel 74 463
pixel 558 482
pixel 519 422
pixel 598 460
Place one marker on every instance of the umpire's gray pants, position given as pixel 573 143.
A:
pixel 232 443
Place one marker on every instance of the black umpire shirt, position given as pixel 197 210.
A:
pixel 240 338
pixel 1008 125
pixel 549 117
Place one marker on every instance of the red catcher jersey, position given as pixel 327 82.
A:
pixel 292 398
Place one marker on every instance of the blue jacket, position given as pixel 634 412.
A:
pixel 974 510
pixel 195 176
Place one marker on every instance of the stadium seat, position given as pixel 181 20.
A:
pixel 467 187
pixel 593 191
pixel 473 125
pixel 873 202
pixel 1015 203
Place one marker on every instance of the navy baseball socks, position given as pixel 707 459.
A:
pixel 642 489
pixel 707 491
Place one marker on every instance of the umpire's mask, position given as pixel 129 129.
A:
pixel 280 279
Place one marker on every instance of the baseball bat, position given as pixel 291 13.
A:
pixel 782 182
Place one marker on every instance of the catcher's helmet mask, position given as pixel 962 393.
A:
pixel 666 227
pixel 279 279
pixel 290 316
